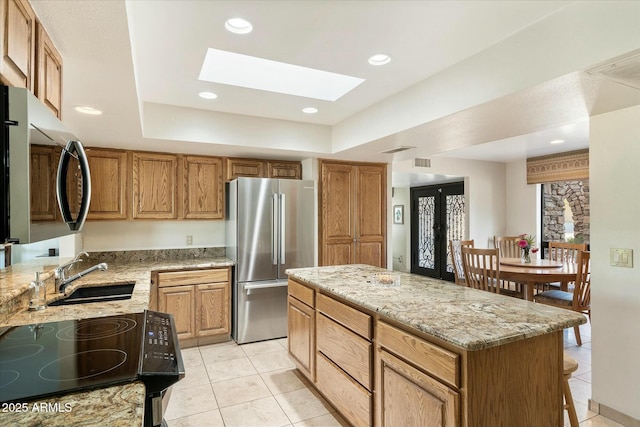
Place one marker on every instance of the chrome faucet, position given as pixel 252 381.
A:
pixel 62 281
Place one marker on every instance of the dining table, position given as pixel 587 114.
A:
pixel 538 271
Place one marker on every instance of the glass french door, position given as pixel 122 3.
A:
pixel 438 215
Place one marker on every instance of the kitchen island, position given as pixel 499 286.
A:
pixel 117 405
pixel 403 349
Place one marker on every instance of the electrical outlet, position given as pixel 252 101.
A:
pixel 621 257
pixel 189 240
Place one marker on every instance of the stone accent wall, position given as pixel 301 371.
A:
pixel 577 195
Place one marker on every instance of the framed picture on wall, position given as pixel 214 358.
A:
pixel 398 214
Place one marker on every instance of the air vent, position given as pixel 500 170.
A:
pixel 422 163
pixel 397 149
pixel 622 70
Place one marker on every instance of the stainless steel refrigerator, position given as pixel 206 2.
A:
pixel 271 226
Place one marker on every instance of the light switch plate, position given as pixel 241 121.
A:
pixel 621 257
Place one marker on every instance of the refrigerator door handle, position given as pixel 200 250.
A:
pixel 282 229
pixel 274 229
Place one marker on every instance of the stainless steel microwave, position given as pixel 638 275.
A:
pixel 46 183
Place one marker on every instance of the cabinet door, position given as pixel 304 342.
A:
pixel 337 227
pixel 43 172
pixel 48 86
pixel 409 397
pixel 284 170
pixel 109 184
pixel 179 301
pixel 371 218
pixel 154 186
pixel 212 309
pixel 17 49
pixel 301 339
pixel 202 188
pixel 245 167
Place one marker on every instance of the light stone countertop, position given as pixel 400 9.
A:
pixel 467 318
pixel 93 407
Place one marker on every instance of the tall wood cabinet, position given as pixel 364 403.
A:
pixel 199 301
pixel 353 206
pixel 110 189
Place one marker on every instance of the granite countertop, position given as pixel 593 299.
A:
pixel 93 407
pixel 467 318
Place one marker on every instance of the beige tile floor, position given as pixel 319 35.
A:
pixel 257 385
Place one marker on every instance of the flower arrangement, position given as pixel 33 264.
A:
pixel 525 242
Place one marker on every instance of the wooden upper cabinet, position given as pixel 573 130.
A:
pixel 48 85
pixel 155 186
pixel 202 188
pixel 245 167
pixel 110 189
pixel 17 45
pixel 43 183
pixel 353 208
pixel 258 168
pixel 284 170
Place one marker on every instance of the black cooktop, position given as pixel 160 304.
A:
pixel 47 359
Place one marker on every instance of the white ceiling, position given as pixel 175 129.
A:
pixel 132 58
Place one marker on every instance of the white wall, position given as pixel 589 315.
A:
pixel 523 205
pixel 401 233
pixel 614 177
pixel 129 235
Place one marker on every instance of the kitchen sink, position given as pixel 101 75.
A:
pixel 92 294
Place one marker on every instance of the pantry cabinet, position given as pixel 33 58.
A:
pixel 110 189
pixel 200 302
pixel 353 210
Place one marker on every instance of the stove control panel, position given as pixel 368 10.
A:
pixel 160 349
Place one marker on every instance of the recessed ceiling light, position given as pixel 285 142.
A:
pixel 238 26
pixel 87 110
pixel 207 95
pixel 379 59
pixel 234 69
pixel 556 141
pixel 310 110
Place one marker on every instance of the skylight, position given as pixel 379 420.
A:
pixel 263 74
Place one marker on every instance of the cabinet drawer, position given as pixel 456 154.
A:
pixel 349 397
pixel 349 351
pixel 353 319
pixel 302 293
pixel 193 277
pixel 436 360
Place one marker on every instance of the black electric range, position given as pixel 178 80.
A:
pixel 48 359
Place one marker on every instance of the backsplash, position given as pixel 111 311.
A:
pixel 155 255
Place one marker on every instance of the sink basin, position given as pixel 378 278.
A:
pixel 91 294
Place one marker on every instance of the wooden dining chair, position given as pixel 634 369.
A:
pixel 508 246
pixel 580 299
pixel 455 247
pixel 482 271
pixel 564 252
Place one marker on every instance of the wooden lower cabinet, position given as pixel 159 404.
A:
pixel 377 372
pixel 200 302
pixel 301 320
pixel 409 397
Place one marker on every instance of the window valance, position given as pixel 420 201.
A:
pixel 569 166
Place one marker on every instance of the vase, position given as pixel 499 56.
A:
pixel 526 256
